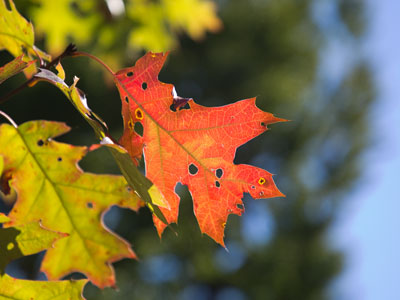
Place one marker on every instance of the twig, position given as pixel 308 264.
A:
pixel 69 51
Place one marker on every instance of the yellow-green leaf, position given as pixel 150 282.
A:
pixel 59 21
pixel 180 15
pixel 3 217
pixel 13 67
pixel 17 36
pixel 22 240
pixel 18 289
pixel 51 187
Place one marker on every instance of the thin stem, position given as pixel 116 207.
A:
pixel 9 119
pixel 80 53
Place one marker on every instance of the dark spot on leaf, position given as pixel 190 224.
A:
pixel 130 124
pixel 129 189
pixel 59 159
pixel 193 169
pixel 138 128
pixel 253 187
pixel 40 143
pixel 126 99
pixel 263 124
pixel 129 74
pixel 144 86
pixel 138 114
pixel 219 173
pixel 217 184
pixel 240 206
pixel 89 205
pixel 261 193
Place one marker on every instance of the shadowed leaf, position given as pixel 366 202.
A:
pixel 13 68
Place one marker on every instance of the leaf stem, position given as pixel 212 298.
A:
pixel 80 53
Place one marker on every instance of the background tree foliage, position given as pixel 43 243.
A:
pixel 275 50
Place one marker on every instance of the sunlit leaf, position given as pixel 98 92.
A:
pixel 51 188
pixel 18 289
pixel 27 239
pixel 192 144
pixel 22 240
pixel 59 21
pixel 193 16
pixel 17 36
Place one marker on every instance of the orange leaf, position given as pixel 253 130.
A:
pixel 192 145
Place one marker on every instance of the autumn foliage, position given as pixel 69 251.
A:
pixel 60 208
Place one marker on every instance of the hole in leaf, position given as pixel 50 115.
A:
pixel 8 6
pixel 59 159
pixel 263 124
pixel 186 106
pixel 240 206
pixel 253 187
pixel 219 173
pixel 193 169
pixel 138 128
pixel 126 99
pixel 172 107
pixel 89 205
pixel 144 86
pixel 129 74
pixel 4 183
pixel 40 143
pixel 217 184
pixel 129 189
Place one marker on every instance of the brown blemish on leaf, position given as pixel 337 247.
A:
pixel 139 114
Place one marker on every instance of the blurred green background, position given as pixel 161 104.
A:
pixel 221 51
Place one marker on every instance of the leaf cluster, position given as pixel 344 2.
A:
pixel 61 207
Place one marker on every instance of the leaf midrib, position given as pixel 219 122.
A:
pixel 54 186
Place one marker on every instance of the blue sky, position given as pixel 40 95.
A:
pixel 367 229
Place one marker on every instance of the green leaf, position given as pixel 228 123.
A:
pixel 27 239
pixel 23 240
pixel 148 192
pixel 17 36
pixel 18 289
pixel 3 217
pixel 13 67
pixel 60 22
pixel 51 188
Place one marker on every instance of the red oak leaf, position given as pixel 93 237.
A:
pixel 194 146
